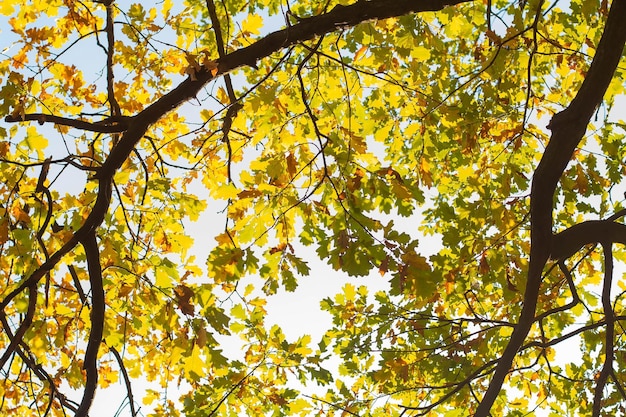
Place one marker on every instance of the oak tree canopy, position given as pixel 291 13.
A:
pixel 355 132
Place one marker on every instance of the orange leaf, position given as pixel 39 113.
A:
pixel 183 297
pixel 360 52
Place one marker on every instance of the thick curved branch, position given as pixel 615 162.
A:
pixel 568 128
pixel 307 28
pixel 97 322
pixel 571 240
pixel 339 17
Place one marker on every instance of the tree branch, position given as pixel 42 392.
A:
pixel 115 107
pixel 127 383
pixel 90 365
pixel 339 17
pixel 568 128
pixel 23 327
pixel 235 106
pixel 27 357
pixel 134 128
pixel 93 221
pixel 569 241
pixel 572 288
pixel 108 125
pixel 609 317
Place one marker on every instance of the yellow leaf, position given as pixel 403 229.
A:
pixel 167 7
pixel 459 27
pixel 6 7
pixel 421 53
pixel 162 279
pixel 298 406
pixel 465 172
pixel 252 24
pixel 150 396
pixel 34 140
pixel 206 115
pixel 350 292
pixel 20 215
pixel 65 360
pixel 194 366
pixel 302 347
pixel 225 192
